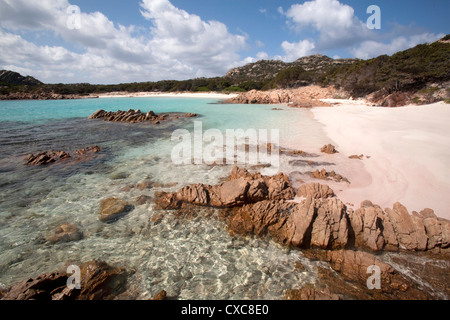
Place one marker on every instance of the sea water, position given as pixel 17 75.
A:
pixel 192 258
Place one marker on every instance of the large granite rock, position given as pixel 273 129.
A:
pixel 240 188
pixel 317 223
pixel 315 190
pixel 98 281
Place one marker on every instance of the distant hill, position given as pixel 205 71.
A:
pixel 268 70
pixel 9 78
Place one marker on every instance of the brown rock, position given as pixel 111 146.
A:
pixel 141 200
pixel 330 149
pixel 330 228
pixel 241 188
pixel 366 224
pixel 195 194
pixel 319 223
pixel 99 281
pixel 112 209
pixel 65 233
pixel 404 227
pixel 133 116
pixel 356 157
pixel 315 190
pixel 47 157
pixel 353 265
pixel 229 194
pixel 87 151
pixel 160 296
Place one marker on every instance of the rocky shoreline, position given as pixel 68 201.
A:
pixel 43 96
pixel 321 227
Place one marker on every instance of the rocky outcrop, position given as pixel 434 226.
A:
pixel 98 281
pixel 317 223
pixel 112 209
pixel 134 116
pixel 295 98
pixel 395 229
pixel 241 188
pixel 353 266
pixel 259 205
pixel 315 190
pixel 65 233
pixel 48 157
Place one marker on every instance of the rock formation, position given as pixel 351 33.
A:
pixel 112 209
pixel 99 281
pixel 48 157
pixel 134 116
pixel 241 188
pixel 259 205
pixel 293 97
pixel 315 190
pixel 324 175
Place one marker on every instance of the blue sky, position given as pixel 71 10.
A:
pixel 113 41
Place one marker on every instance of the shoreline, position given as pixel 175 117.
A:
pixel 407 149
pixel 198 95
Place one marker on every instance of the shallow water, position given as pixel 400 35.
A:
pixel 189 258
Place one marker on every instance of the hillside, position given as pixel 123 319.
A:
pixel 275 73
pixel 423 69
pixel 10 78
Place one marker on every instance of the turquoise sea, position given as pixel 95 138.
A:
pixel 189 258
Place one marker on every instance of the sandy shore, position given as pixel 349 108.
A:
pixel 199 95
pixel 408 149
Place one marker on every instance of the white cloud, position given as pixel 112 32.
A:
pixel 178 45
pixel 337 27
pixel 335 23
pixel 295 50
pixel 370 49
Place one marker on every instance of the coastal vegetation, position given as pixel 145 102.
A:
pixel 410 70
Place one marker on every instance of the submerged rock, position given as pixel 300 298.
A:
pixel 48 157
pixel 65 233
pixel 98 281
pixel 310 293
pixel 112 209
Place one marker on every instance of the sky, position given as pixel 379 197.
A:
pixel 119 41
